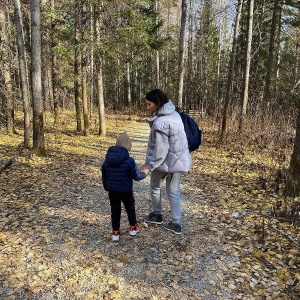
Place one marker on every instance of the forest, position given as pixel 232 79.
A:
pixel 231 61
pixel 74 74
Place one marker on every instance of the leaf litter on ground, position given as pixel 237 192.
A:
pixel 56 235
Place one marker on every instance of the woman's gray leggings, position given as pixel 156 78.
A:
pixel 173 192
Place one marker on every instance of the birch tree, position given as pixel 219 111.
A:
pixel 247 67
pixel 101 110
pixel 100 89
pixel 181 53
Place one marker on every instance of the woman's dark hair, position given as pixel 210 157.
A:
pixel 158 97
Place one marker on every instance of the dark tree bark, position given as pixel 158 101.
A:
pixel 230 70
pixel 86 121
pixel 270 61
pixel 37 101
pixel 293 178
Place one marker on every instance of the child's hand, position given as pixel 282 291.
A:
pixel 145 169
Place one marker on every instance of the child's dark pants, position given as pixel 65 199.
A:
pixel 128 200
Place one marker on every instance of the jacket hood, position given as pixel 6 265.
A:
pixel 167 109
pixel 116 155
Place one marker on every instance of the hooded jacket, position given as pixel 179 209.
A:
pixel 168 146
pixel 119 170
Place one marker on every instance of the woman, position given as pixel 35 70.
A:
pixel 167 157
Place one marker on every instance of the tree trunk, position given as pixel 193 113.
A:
pixel 54 72
pixel 102 121
pixel 230 69
pixel 278 52
pixel 83 29
pixel 86 120
pixel 92 63
pixel 269 65
pixel 7 77
pixel 47 81
pixel 100 90
pixel 129 100
pixel 247 67
pixel 156 51
pixel 165 82
pixel 37 101
pixel 23 74
pixel 217 105
pixel 76 71
pixel 181 53
pixel 157 70
pixel 297 52
pixel 190 48
pixel 207 22
pixel 293 179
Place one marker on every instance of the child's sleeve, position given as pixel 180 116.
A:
pixel 135 173
pixel 104 178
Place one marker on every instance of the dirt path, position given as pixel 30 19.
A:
pixel 56 234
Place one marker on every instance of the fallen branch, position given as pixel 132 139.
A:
pixel 285 235
pixel 6 165
pixel 9 162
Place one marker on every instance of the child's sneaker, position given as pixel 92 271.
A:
pixel 116 235
pixel 133 230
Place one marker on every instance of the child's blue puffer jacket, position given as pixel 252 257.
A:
pixel 119 170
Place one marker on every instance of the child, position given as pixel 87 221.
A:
pixel 118 172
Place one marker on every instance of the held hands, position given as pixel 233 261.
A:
pixel 145 169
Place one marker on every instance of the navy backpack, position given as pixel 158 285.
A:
pixel 192 130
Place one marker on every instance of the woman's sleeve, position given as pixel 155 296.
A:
pixel 161 150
